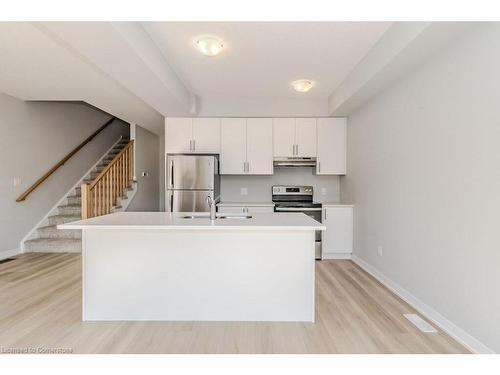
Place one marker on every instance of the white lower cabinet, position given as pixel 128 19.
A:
pixel 245 209
pixel 337 238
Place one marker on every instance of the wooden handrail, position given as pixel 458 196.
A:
pixel 113 162
pixel 38 182
pixel 100 196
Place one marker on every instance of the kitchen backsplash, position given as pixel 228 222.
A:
pixel 258 188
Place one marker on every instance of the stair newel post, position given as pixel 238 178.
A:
pixel 122 166
pixel 132 161
pixel 108 192
pixel 85 193
pixel 127 163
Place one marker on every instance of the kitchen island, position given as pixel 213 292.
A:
pixel 183 266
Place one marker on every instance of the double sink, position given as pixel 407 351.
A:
pixel 217 217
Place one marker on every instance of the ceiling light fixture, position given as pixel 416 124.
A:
pixel 302 85
pixel 209 45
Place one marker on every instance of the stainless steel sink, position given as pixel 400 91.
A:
pixel 218 217
pixel 234 217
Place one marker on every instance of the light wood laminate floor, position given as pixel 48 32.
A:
pixel 40 306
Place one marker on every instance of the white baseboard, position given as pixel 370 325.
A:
pixel 428 312
pixel 4 254
pixel 336 256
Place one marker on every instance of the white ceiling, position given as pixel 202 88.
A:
pixel 262 58
pixel 35 65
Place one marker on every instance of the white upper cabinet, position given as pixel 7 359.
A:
pixel 305 137
pixel 178 135
pixel 294 137
pixel 331 153
pixel 246 146
pixel 192 135
pixel 284 137
pixel 206 135
pixel 233 155
pixel 259 146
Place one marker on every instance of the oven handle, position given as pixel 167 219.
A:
pixel 297 209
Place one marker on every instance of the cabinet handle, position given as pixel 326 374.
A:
pixel 325 213
pixel 248 167
pixel 194 144
pixel 319 166
pixel 190 145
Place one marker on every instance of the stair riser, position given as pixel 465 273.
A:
pixel 74 200
pixel 59 233
pixel 74 210
pixel 56 248
pixel 55 220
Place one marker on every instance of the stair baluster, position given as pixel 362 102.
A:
pixel 101 195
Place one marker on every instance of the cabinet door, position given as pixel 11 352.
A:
pixel 206 135
pixel 260 146
pixel 178 134
pixel 233 146
pixel 337 238
pixel 283 137
pixel 305 137
pixel 331 146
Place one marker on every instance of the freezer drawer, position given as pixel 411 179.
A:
pixel 195 172
pixel 189 200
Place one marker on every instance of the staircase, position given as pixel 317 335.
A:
pixel 47 238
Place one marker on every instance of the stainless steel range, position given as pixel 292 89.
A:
pixel 298 199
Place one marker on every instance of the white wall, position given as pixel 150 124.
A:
pixel 227 106
pixel 259 187
pixel 34 137
pixel 424 174
pixel 146 146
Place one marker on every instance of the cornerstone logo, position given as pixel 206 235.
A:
pixel 34 350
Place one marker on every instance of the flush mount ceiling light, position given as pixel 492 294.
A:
pixel 302 85
pixel 209 45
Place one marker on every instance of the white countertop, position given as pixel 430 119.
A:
pixel 174 221
pixel 336 204
pixel 245 204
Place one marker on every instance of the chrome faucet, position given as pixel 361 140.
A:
pixel 211 206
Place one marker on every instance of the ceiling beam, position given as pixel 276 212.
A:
pixel 127 54
pixel 401 49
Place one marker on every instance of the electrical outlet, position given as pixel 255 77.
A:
pixel 17 181
pixel 323 191
pixel 380 250
pixel 243 191
pixel 145 174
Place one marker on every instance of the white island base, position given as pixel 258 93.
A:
pixel 227 271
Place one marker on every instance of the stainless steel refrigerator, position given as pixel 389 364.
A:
pixel 190 180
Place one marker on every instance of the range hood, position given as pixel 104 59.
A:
pixel 295 162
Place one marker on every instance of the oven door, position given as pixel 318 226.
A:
pixel 314 212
